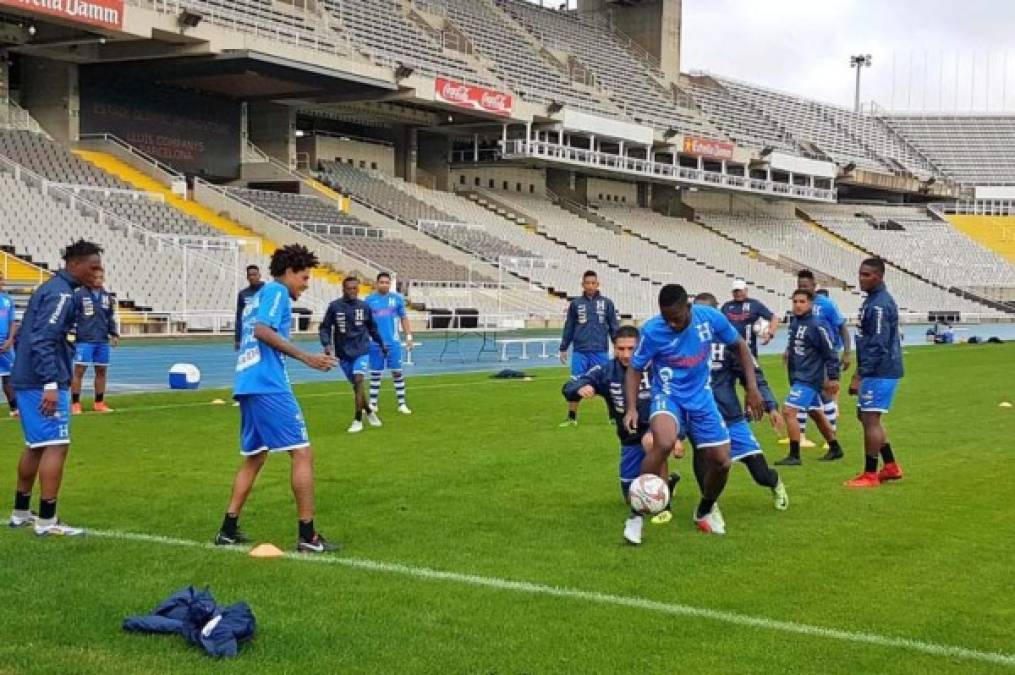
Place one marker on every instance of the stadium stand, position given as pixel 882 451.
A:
pixel 301 209
pixel 994 232
pixel 971 149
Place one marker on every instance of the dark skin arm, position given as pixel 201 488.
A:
pixel 755 403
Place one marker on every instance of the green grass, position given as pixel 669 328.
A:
pixel 481 481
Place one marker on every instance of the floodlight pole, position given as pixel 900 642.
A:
pixel 859 61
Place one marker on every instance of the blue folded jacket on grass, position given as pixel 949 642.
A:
pixel 195 615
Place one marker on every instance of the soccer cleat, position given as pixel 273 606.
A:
pixel 373 419
pixel 235 539
pixel 831 456
pixel 632 530
pixel 316 545
pixel 102 407
pixel 663 517
pixel 568 423
pixel 57 529
pixel 892 471
pixel 781 496
pixel 355 427
pixel 15 414
pixel 712 522
pixel 75 408
pixel 788 460
pixel 864 480
pixel 404 409
pixel 804 442
pixel 21 519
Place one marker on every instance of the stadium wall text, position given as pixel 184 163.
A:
pixel 101 13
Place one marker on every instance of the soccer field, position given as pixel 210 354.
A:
pixel 479 537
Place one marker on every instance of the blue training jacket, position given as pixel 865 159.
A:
pixel 726 372
pixel 812 357
pixel 44 354
pixel 94 315
pixel 591 324
pixel 878 343
pixel 608 381
pixel 349 326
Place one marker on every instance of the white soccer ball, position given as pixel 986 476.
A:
pixel 649 494
pixel 761 326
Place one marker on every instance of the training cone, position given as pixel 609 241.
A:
pixel 218 401
pixel 1004 404
pixel 266 551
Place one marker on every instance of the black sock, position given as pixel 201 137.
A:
pixel 47 509
pixel 833 446
pixel 307 530
pixel 14 404
pixel 229 524
pixel 359 415
pixel 22 500
pixel 75 398
pixel 886 453
pixel 870 464
pixel 572 414
pixel 704 506
pixel 794 449
pixel 99 397
pixel 762 474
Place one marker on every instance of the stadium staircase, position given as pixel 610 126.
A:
pixel 996 233
pixel 17 270
pixel 142 181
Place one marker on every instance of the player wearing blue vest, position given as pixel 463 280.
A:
pixel 270 417
pixel 95 331
pixel 388 308
pixel 743 312
pixel 813 366
pixel 828 312
pixel 8 333
pixel 41 379
pixel 608 381
pixel 878 371
pixel 346 332
pixel 591 323
pixel 726 371
pixel 678 344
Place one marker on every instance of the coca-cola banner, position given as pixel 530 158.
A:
pixel 704 147
pixel 473 97
pixel 101 13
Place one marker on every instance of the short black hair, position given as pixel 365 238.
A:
pixel 383 275
pixel 706 298
pixel 875 263
pixel 296 257
pixel 348 279
pixel 626 332
pixel 81 249
pixel 804 292
pixel 821 291
pixel 589 273
pixel 672 294
pixel 805 274
pixel 253 267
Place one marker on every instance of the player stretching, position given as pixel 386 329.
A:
pixel 678 344
pixel 744 447
pixel 608 381
pixel 813 366
pixel 828 312
pixel 878 370
pixel 8 333
pixel 41 378
pixel 95 316
pixel 591 323
pixel 388 308
pixel 270 417
pixel 346 332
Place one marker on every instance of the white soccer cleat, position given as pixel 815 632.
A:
pixel 57 529
pixel 374 420
pixel 632 530
pixel 712 522
pixel 21 519
pixel 355 427
pixel 781 496
pixel 404 409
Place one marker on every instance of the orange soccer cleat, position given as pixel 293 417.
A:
pixel 101 407
pixel 75 408
pixel 892 471
pixel 867 479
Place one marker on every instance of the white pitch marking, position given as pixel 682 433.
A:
pixel 674 609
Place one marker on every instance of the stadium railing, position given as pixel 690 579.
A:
pixel 137 159
pixel 13 116
pixel 975 207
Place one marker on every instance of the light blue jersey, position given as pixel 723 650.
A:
pixel 681 361
pixel 388 310
pixel 828 312
pixel 6 316
pixel 259 368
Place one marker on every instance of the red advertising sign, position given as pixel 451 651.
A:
pixel 473 97
pixel 703 147
pixel 100 13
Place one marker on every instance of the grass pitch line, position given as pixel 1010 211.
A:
pixel 672 609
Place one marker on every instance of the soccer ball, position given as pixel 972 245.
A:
pixel 649 494
pixel 761 326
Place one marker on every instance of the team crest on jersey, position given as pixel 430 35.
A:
pixel 718 355
pixel 704 332
pixel 583 314
pixel 359 316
